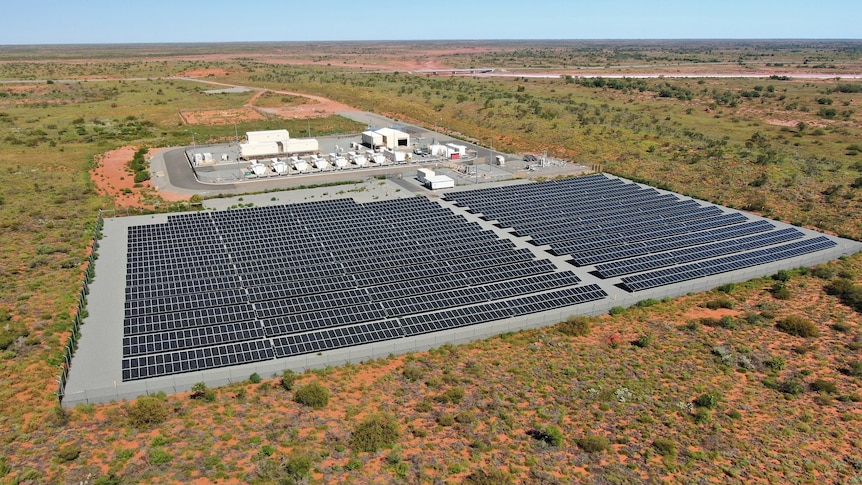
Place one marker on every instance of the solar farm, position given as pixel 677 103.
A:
pixel 216 296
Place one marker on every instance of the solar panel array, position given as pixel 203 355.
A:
pixel 624 229
pixel 214 289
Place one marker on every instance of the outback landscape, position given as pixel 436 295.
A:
pixel 755 382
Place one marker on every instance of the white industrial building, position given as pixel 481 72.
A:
pixel 372 139
pixel 386 137
pixel 275 143
pixel 267 136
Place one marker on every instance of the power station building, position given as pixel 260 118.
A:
pixel 386 137
pixel 275 143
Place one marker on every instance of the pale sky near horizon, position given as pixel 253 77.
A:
pixel 100 21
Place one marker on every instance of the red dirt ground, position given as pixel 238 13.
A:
pixel 111 177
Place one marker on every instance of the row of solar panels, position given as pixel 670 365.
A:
pixel 228 354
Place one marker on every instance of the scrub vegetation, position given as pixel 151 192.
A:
pixel 733 385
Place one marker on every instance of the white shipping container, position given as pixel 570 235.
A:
pixel 440 182
pixel 423 174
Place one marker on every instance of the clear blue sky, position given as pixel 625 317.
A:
pixel 132 21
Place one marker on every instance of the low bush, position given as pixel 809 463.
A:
pixel 643 341
pixel 288 378
pixel 147 412
pixel 313 395
pixel 576 326
pixel 709 400
pixel 721 302
pixel 550 434
pixel 593 444
pixel 412 373
pixel 780 292
pixel 776 363
pixel 453 395
pixel 254 378
pixel 445 419
pixel 854 368
pixel 298 467
pixel 492 477
pixel 616 310
pixel 665 447
pixel 798 326
pixel 68 453
pixel 374 433
pixel 792 387
pixel 849 293
pixel 782 275
pixel 822 385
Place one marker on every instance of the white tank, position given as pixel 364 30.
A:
pixel 300 165
pixel 320 163
pixel 340 162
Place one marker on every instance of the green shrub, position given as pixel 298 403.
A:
pixel 288 378
pixel 709 400
pixel 423 406
pixel 493 477
pixel 452 395
pixel 727 288
pixel 647 303
pixel 855 368
pixel 445 419
pixel 798 326
pixel 593 444
pixel 822 385
pixel 782 275
pixel 824 272
pixel 550 434
pixel 849 293
pixel 721 302
pixel 576 326
pixel 147 412
pixel 780 292
pixel 702 415
pixel 68 453
pixel 313 395
pixel 792 387
pixel 776 363
pixel 375 432
pixel 465 417
pixel 297 467
pixel 412 373
pixel 158 456
pixel 254 378
pixel 665 447
pixel 142 176
pixel 616 310
pixel 643 341
pixel 201 391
